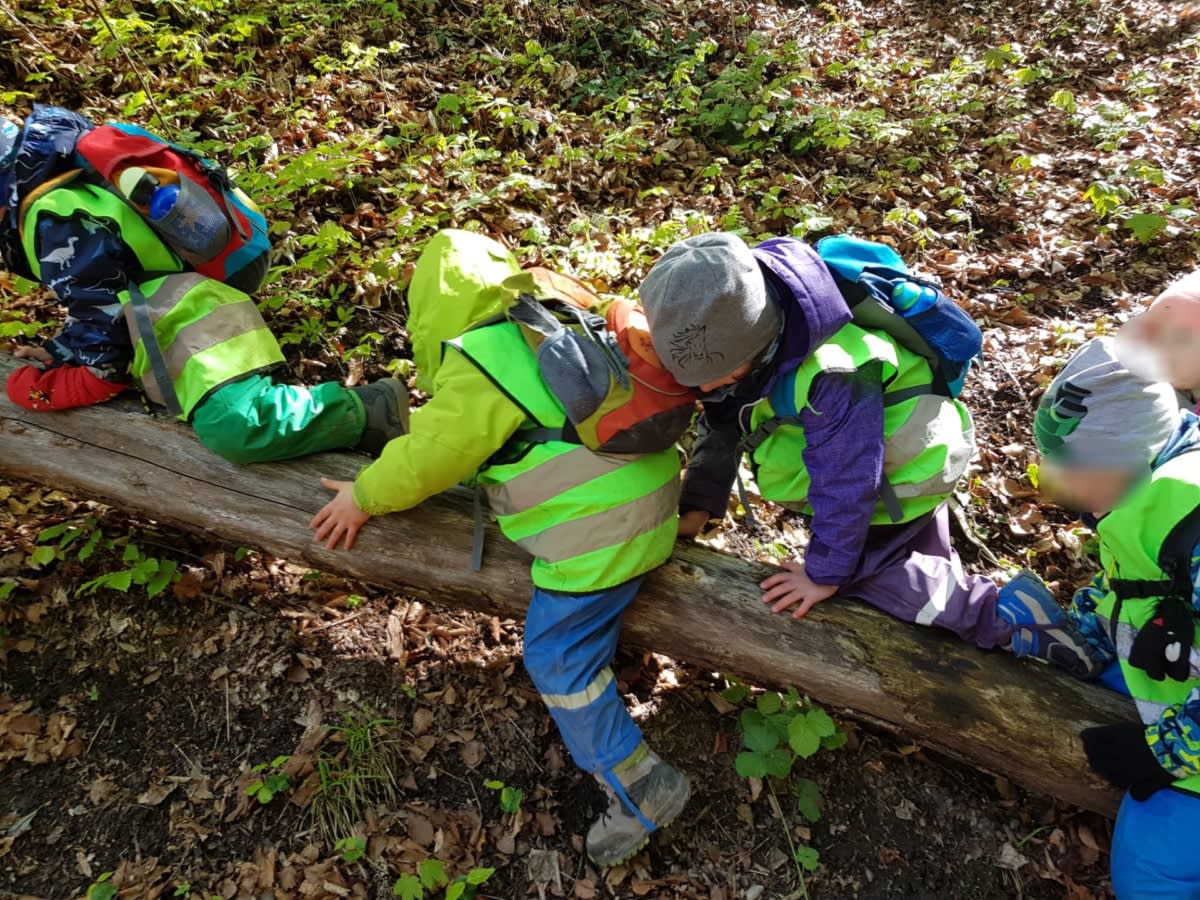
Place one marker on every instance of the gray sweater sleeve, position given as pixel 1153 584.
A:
pixel 713 467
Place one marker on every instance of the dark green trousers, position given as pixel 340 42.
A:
pixel 256 420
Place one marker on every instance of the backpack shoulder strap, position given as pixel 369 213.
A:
pixel 1175 557
pixel 154 355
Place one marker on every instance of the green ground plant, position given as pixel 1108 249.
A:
pixel 271 781
pixel 431 878
pixel 363 770
pixel 777 729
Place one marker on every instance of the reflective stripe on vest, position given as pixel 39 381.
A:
pixel 928 438
pixel 1131 541
pixel 592 521
pixel 78 198
pixel 209 334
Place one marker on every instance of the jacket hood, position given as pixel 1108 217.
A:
pixel 46 149
pixel 1185 440
pixel 813 306
pixel 459 281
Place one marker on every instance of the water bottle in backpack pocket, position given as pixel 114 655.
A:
pixel 189 201
pixel 179 210
pixel 885 296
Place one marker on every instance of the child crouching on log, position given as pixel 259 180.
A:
pixel 843 422
pixel 136 309
pixel 596 523
pixel 1117 445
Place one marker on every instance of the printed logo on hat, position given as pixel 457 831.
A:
pixel 1056 420
pixel 690 345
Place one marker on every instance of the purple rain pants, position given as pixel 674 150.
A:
pixel 912 571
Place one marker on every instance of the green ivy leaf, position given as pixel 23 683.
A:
pixel 408 887
pixel 735 694
pixel 820 723
pixel 769 703
pixel 1146 226
pixel 456 890
pixel 102 889
pixel 163 577
pixel 834 741
pixel 480 875
pixel 433 873
pixel 757 732
pixel 779 762
pixel 510 799
pixel 42 556
pixel 750 765
pixel 808 858
pixel 808 799
pixel 49 534
pixel 801 737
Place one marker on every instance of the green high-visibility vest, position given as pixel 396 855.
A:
pixel 78 197
pixel 1146 546
pixel 928 438
pixel 207 332
pixel 591 520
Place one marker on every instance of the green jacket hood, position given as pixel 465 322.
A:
pixel 459 281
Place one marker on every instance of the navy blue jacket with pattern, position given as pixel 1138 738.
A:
pixel 88 280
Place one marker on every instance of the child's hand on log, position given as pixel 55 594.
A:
pixel 785 589
pixel 691 523
pixel 39 355
pixel 340 518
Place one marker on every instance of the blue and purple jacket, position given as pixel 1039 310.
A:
pixel 843 424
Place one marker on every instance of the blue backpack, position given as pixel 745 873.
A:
pixel 868 274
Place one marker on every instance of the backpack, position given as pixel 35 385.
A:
pixel 212 225
pixel 602 369
pixel 867 273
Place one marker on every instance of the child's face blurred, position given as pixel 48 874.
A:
pixel 1093 490
pixel 1164 342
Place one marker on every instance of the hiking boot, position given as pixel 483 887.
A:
pixel 386 405
pixel 1041 629
pixel 660 793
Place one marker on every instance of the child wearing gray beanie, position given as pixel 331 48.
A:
pixel 789 379
pixel 1116 444
pixel 1100 427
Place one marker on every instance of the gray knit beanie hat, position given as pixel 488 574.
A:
pixel 1097 413
pixel 707 304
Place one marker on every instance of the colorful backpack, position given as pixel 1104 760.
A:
pixel 603 371
pixel 869 273
pixel 210 223
pixel 616 395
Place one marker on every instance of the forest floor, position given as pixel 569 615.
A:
pixel 1041 159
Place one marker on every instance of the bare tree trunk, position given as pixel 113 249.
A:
pixel 1005 716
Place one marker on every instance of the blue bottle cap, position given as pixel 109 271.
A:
pixel 162 200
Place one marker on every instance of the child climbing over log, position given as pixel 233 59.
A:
pixel 147 300
pixel 1116 445
pixel 566 422
pixel 843 421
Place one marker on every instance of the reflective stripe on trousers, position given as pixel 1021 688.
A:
pixel 570 640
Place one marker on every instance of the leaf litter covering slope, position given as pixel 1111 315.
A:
pixel 1040 158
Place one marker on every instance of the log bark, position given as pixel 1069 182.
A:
pixel 1004 716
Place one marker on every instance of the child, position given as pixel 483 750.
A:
pixel 1117 445
pixel 91 248
pixel 595 523
pixel 872 453
pixel 1165 340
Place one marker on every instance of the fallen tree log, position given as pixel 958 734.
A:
pixel 1008 717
